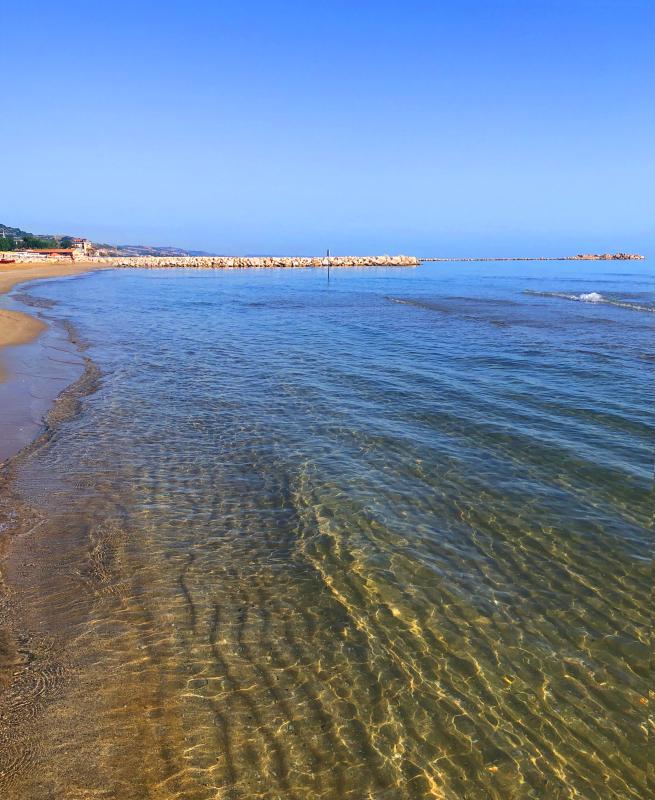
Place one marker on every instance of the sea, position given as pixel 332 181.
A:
pixel 377 534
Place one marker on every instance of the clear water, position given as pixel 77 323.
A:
pixel 387 537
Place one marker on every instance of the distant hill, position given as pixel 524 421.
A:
pixel 18 239
pixel 142 250
pixel 6 230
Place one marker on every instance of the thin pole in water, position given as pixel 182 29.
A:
pixel 328 260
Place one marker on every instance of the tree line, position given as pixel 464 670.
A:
pixel 30 242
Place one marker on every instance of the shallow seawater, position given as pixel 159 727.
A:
pixel 35 374
pixel 384 537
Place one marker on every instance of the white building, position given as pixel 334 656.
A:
pixel 81 247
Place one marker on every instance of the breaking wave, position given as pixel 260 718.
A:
pixel 592 297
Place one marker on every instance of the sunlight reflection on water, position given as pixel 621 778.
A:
pixel 385 538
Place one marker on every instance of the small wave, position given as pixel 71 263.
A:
pixel 421 304
pixel 593 297
pixel 455 303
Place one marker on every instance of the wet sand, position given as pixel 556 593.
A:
pixel 33 398
pixel 18 328
pixel 29 380
pixel 13 274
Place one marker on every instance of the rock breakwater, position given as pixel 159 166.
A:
pixel 578 257
pixel 259 262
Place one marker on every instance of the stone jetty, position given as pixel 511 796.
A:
pixel 578 257
pixel 259 262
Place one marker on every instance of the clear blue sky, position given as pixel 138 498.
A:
pixel 460 127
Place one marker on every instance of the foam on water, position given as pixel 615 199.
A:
pixel 594 297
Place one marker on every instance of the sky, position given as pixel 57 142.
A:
pixel 454 128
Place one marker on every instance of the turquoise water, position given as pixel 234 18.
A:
pixel 386 536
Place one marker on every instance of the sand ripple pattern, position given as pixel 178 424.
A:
pixel 351 549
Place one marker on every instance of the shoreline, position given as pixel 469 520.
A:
pixel 34 664
pixel 30 380
pixel 19 327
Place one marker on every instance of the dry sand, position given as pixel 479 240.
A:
pixel 19 328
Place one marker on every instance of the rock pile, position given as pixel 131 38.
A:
pixel 608 257
pixel 226 262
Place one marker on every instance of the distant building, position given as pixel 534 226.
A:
pixel 82 246
pixel 48 252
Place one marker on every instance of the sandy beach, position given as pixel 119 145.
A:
pixel 16 327
pixel 29 382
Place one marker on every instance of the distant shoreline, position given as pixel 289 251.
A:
pixel 14 259
pixel 579 257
